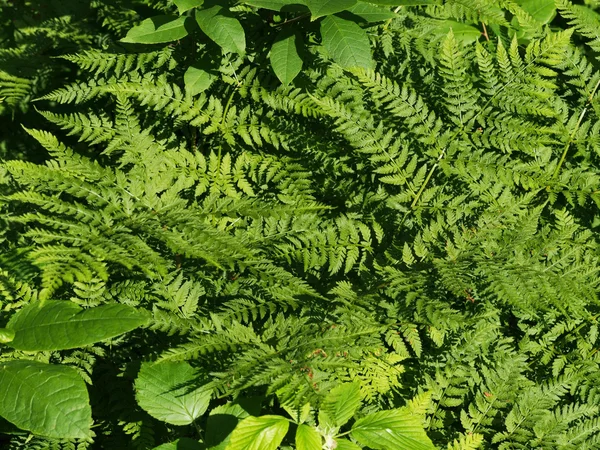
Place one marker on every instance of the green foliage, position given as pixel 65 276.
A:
pixel 378 217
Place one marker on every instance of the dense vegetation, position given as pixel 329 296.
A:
pixel 262 224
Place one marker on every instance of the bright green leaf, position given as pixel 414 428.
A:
pixel 60 325
pixel 285 60
pixel 340 404
pixel 166 391
pixel 48 400
pixel 345 444
pixel 394 429
pixel 307 438
pixel 543 11
pixel 197 80
pixel 6 335
pixel 156 30
pixel 220 424
pixel 347 43
pixel 259 433
pixel 371 13
pixel 181 444
pixel 320 8
pixel 186 5
pixel 225 30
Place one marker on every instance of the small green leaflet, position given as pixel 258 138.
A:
pixel 61 325
pixel 197 80
pixel 307 438
pixel 225 30
pixel 320 8
pixel 259 433
pixel 167 391
pixel 346 42
pixel 371 13
pixel 285 60
pixel 157 30
pixel 186 5
pixel 6 335
pixel 395 429
pixel 48 400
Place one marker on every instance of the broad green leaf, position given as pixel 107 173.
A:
pixel 157 30
pixel 220 424
pixel 181 444
pixel 6 335
pixel 346 42
pixel 371 13
pixel 285 60
pixel 60 325
pixel 345 444
pixel 307 438
pixel 274 5
pixel 405 2
pixel 166 392
pixel 259 433
pixel 340 404
pixel 320 8
pixel 48 400
pixel 186 5
pixel 543 11
pixel 197 80
pixel 462 32
pixel 394 429
pixel 225 30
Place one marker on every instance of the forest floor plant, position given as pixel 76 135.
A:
pixel 263 224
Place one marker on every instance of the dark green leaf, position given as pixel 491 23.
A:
pixel 60 325
pixel 371 13
pixel 346 42
pixel 274 5
pixel 320 8
pixel 48 400
pixel 197 80
pixel 167 392
pixel 186 5
pixel 222 28
pixel 285 60
pixel 156 30
pixel 394 429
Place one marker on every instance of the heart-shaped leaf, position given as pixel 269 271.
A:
pixel 48 400
pixel 60 325
pixel 166 391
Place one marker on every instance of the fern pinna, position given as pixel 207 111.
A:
pixel 424 229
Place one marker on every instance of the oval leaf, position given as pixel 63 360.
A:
pixel 259 433
pixel 197 80
pixel 346 42
pixel 166 392
pixel 60 325
pixel 320 8
pixel 393 429
pixel 186 5
pixel 340 405
pixel 157 30
pixel 307 438
pixel 48 400
pixel 224 30
pixel 285 60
